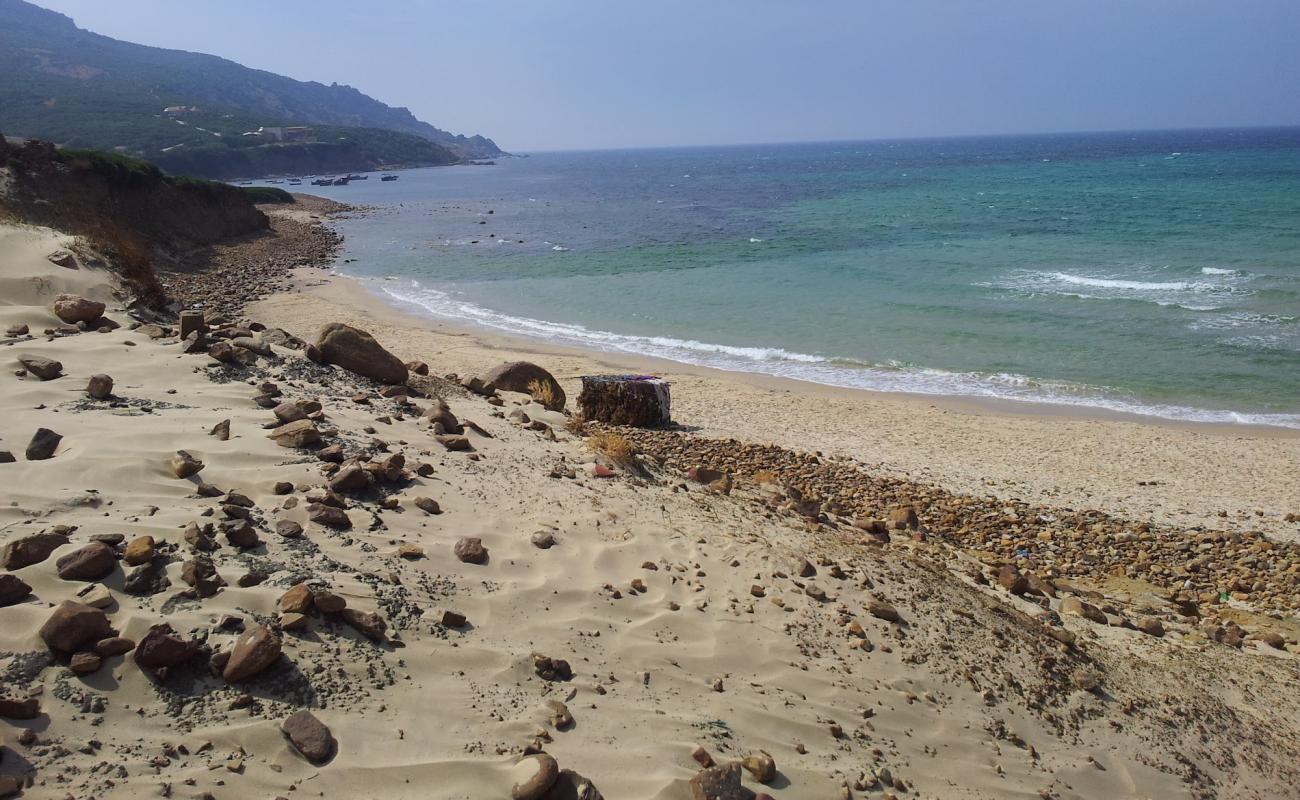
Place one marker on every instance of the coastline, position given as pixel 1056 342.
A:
pixel 1169 471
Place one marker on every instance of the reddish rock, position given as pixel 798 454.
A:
pixel 310 737
pixel 470 549
pixel 161 649
pixel 73 626
pixel 89 563
pixel 256 649
pixel 30 550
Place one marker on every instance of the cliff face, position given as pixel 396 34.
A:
pixel 127 207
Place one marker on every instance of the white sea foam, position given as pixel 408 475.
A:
pixel 895 377
pixel 1218 271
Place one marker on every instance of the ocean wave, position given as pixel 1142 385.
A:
pixel 776 361
pixel 1219 271
pixel 1141 286
pixel 1192 295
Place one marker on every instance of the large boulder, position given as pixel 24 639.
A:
pixel 89 563
pixel 526 377
pixel 74 625
pixel 73 308
pixel 357 351
pixel 256 649
pixel 30 550
pixel 309 736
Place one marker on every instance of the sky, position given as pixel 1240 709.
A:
pixel 575 74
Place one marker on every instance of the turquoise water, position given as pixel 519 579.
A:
pixel 1157 273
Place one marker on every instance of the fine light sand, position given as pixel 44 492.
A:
pixel 966 698
pixel 1188 473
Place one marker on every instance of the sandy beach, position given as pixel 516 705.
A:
pixel 469 596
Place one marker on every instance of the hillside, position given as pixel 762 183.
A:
pixel 85 90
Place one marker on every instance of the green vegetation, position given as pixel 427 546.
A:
pixel 267 194
pixel 83 90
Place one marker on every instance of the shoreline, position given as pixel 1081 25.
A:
pixel 1171 471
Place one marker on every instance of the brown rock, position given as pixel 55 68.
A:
pixel 12 589
pixel 192 322
pixel 470 549
pixel 761 765
pixel 139 551
pixel 240 533
pixel 329 516
pixel 73 308
pixel 718 783
pixel 288 529
pixel 522 376
pixel 533 776
pixel 452 619
pixel 25 708
pixel 30 550
pixel 221 430
pixel 84 663
pixel 1078 608
pixel 47 369
pixel 89 563
pixel 100 386
pixel 428 505
pixel 882 610
pixel 329 603
pixel 1151 626
pixel 352 478
pixel 310 737
pixel 200 573
pixel 296 434
pixel 161 649
pixel 183 465
pixel 357 351
pixel 256 649
pixel 572 786
pixel 297 600
pixel 367 623
pixel 114 646
pixel 1009 578
pixel 74 625
pixel 43 444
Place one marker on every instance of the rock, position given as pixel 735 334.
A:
pixel 200 573
pixel 221 430
pixel 533 776
pixel 882 610
pixel 1009 578
pixel 139 551
pixel 902 519
pixel 410 552
pixel 367 623
pixel 30 550
pixel 74 625
pixel 1151 626
pixel 329 516
pixel 43 444
pixel 288 529
pixel 183 465
pixel 192 322
pixel 295 434
pixel 470 550
pixel 702 757
pixel 256 649
pixel 543 540
pixel 47 369
pixel 428 505
pixel 293 621
pixel 352 478
pixel 84 663
pixel 453 619
pixel 1076 607
pixel 89 563
pixel 309 736
pixel 331 455
pixel 200 539
pixel 454 443
pixel 551 669
pixel 289 412
pixel 252 577
pixel 10 785
pixel 282 488
pixel 95 595
pixel 12 589
pixel 572 786
pixel 73 308
pixel 297 600
pixel 62 258
pixel 357 351
pixel 815 592
pixel 240 533
pixel 719 783
pixel 526 377
pixel 161 649
pixel 147 579
pixel 417 367
pixel 440 414
pixel 26 708
pixel 100 386
pixel 113 646
pixel 17 330
pixel 761 766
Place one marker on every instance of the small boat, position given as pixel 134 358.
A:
pixel 322 182
pixel 389 177
pixel 340 182
pixel 358 177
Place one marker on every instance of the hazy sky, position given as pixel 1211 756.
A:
pixel 558 74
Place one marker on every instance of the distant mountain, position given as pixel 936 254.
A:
pixel 82 89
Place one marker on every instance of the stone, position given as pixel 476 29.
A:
pixel 293 621
pixel 718 783
pixel 289 412
pixel 329 602
pixel 240 533
pixel 84 663
pixel 470 550
pixel 89 563
pixel 543 540
pixel 200 539
pixel 252 577
pixel 882 610
pixel 74 625
pixel 256 649
pixel 301 433
pixel 367 623
pixel 95 595
pixel 14 708
pixel 10 785
pixel 417 367
pixel 139 551
pixel 113 646
pixel 902 519
pixel 533 776
pixel 12 589
pixel 282 488
pixel 1009 578
pixel 551 669
pixel 147 579
pixel 815 592
pixel 440 414
pixel 17 330
pixel 43 444
pixel 183 465
pixel 288 529
pixel 410 552
pixel 329 516
pixel 428 505
pixel 30 550
pixel 702 757
pixel 100 386
pixel 1076 607
pixel 761 766
pixel 352 478
pixel 572 786
pixel 161 649
pixel 222 351
pixel 309 736
pixel 297 600
pixel 1151 626
pixel 200 573
pixel 454 443
pixel 192 322
pixel 73 308
pixel 528 378
pixel 453 619
pixel 47 369
pixel 357 351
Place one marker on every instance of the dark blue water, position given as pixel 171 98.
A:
pixel 1150 272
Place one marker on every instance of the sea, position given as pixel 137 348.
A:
pixel 1154 273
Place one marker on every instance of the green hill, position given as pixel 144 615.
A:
pixel 80 89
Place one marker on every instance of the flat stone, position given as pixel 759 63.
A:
pixel 113 646
pixel 43 444
pixel 296 434
pixel 256 649
pixel 95 595
pixel 428 505
pixel 84 663
pixel 89 563
pixel 139 550
pixel 329 602
pixel 367 623
pixel 30 550
pixel 47 369
pixel 20 708
pixel 310 737
pixel 297 600
pixel 288 529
